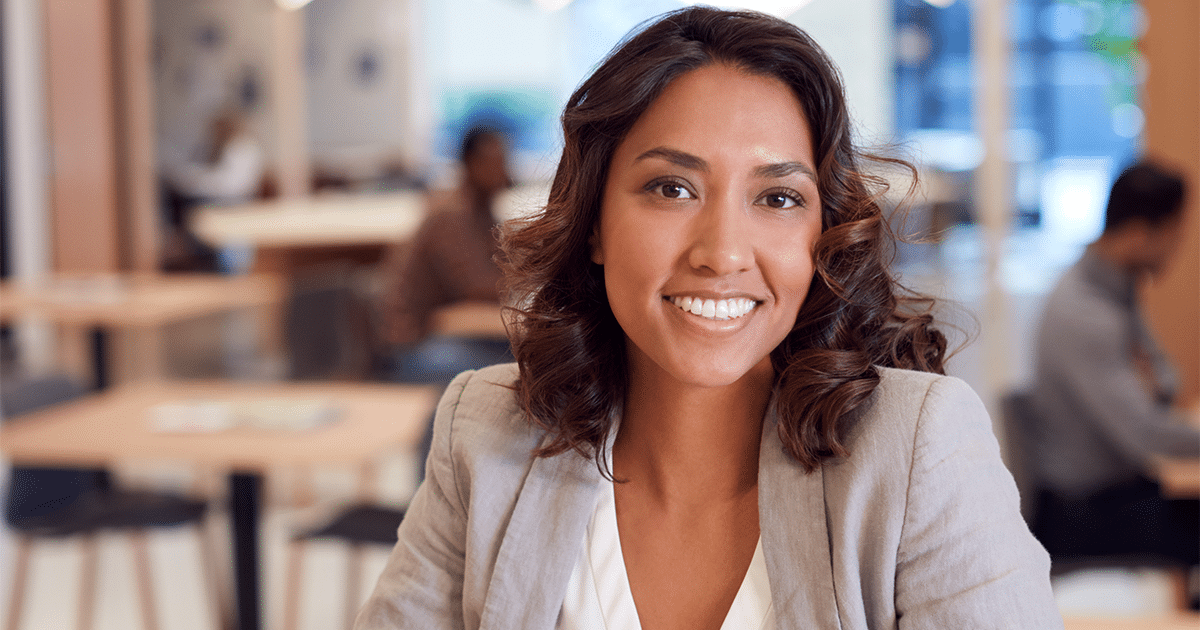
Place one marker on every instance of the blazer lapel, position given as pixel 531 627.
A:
pixel 795 537
pixel 541 543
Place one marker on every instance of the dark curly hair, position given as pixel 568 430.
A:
pixel 568 345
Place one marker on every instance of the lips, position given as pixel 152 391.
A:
pixel 714 309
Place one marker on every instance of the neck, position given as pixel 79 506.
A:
pixel 689 445
pixel 1118 250
pixel 481 201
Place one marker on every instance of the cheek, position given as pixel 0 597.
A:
pixel 797 270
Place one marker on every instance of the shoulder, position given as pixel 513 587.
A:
pixel 911 394
pixel 910 411
pixel 925 496
pixel 1077 309
pixel 488 391
pixel 443 220
pixel 481 425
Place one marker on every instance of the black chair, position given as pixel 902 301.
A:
pixel 44 502
pixel 327 324
pixel 358 525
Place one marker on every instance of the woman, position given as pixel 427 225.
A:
pixel 705 427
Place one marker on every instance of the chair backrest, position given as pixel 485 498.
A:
pixel 327 325
pixel 20 396
pixel 1019 420
pixel 35 491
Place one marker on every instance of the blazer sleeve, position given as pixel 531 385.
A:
pixel 422 584
pixel 966 557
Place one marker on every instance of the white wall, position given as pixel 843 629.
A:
pixel 858 35
pixel 354 118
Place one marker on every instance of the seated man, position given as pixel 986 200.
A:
pixel 1104 391
pixel 448 261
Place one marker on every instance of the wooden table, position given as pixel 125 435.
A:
pixel 472 320
pixel 1177 621
pixel 285 234
pixel 1180 478
pixel 140 303
pixel 116 426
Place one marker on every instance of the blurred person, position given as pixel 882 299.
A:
pixel 725 412
pixel 1103 390
pixel 230 172
pixel 449 260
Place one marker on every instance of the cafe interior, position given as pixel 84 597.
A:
pixel 202 200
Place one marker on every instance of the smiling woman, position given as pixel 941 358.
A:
pixel 701 205
pixel 725 413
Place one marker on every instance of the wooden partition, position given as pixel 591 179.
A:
pixel 85 221
pixel 99 99
pixel 1171 46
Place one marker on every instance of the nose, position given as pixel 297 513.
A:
pixel 722 242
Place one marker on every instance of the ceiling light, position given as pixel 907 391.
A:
pixel 291 5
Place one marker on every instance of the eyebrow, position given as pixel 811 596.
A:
pixel 676 157
pixel 783 169
pixel 695 163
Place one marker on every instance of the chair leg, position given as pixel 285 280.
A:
pixel 16 602
pixel 295 577
pixel 353 577
pixel 87 582
pixel 142 568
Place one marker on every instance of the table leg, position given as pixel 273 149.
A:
pixel 245 489
pixel 101 353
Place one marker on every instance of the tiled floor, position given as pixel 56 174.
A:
pixel 955 271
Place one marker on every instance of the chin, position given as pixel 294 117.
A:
pixel 725 375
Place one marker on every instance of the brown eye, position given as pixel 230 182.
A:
pixel 779 201
pixel 673 191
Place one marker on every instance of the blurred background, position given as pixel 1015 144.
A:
pixel 280 156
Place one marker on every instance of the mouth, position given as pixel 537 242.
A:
pixel 732 308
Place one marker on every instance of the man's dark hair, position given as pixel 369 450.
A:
pixel 1147 191
pixel 474 137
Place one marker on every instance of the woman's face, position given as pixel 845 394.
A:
pixel 707 224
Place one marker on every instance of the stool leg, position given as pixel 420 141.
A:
pixel 295 577
pixel 353 577
pixel 16 602
pixel 205 483
pixel 87 582
pixel 218 604
pixel 141 563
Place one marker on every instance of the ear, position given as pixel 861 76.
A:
pixel 595 246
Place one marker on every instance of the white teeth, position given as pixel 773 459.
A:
pixel 715 309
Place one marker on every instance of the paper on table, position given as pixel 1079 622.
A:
pixel 207 416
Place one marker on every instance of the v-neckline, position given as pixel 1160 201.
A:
pixel 751 607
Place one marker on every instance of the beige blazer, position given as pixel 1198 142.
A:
pixel 918 528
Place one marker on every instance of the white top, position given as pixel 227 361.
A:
pixel 233 178
pixel 598 595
